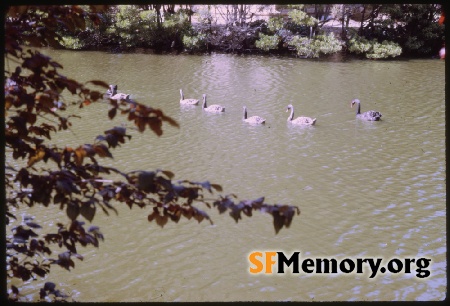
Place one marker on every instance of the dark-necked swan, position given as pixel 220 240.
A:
pixel 299 120
pixel 187 101
pixel 253 119
pixel 369 115
pixel 215 108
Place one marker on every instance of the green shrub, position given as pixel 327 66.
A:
pixel 130 26
pixel 384 50
pixel 267 42
pixel 275 24
pixel 177 20
pixel 73 43
pixel 373 49
pixel 195 43
pixel 301 18
pixel 321 44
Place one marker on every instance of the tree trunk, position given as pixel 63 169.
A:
pixel 343 34
pixel 235 12
pixel 363 14
pixel 157 8
pixel 242 15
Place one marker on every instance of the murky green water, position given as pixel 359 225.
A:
pixel 365 189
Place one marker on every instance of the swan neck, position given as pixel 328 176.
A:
pixel 358 108
pixel 245 114
pixel 204 102
pixel 181 94
pixel 112 90
pixel 291 116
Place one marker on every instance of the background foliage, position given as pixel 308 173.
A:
pixel 391 29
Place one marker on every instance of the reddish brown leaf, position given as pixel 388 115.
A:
pixel 45 100
pixel 162 220
pixel 56 65
pixel 99 83
pixel 95 95
pixel 8 102
pixel 152 216
pixel 18 10
pixel 59 198
pixel 80 153
pixel 171 121
pixel 89 149
pixel 169 174
pixel 29 117
pixel 39 155
pixel 102 150
pixel 14 289
pixel 217 187
pixel 98 8
pixel 80 23
pixel 112 113
pixel 140 123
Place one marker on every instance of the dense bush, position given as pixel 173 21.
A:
pixel 275 24
pixel 373 49
pixel 267 42
pixel 293 33
pixel 130 26
pixel 301 18
pixel 321 44
pixel 73 43
pixel 195 42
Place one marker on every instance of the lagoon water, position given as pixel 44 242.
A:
pixel 365 189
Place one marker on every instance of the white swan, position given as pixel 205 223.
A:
pixel 253 119
pixel 112 93
pixel 369 115
pixel 187 101
pixel 299 120
pixel 120 96
pixel 215 108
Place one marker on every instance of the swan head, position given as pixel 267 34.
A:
pixel 289 107
pixel 245 112
pixel 112 90
pixel 354 101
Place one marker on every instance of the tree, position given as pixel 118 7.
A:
pixel 414 27
pixel 73 178
pixel 345 12
pixel 298 33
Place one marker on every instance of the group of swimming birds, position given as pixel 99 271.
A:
pixel 215 108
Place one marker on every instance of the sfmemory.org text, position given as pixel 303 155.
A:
pixel 263 262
